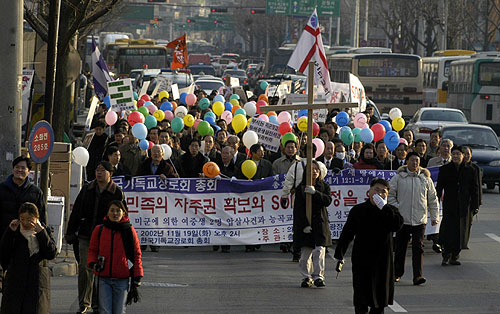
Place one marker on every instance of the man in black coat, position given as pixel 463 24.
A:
pixel 264 166
pixel 190 164
pixel 96 149
pixel 401 151
pixel 155 165
pixel 234 142
pixel 371 225
pixel 91 206
pixel 226 163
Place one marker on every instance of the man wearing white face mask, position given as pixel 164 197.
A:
pixel 339 161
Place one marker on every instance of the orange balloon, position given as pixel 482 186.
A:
pixel 271 113
pixel 236 108
pixel 210 169
pixel 174 105
pixel 263 97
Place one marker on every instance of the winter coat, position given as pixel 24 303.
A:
pixel 295 175
pixel 189 166
pixel 96 152
pixel 283 164
pixel 437 162
pixel 372 253
pixel 163 168
pixel 460 188
pixel 320 224
pixel 22 284
pixel 413 193
pixel 264 170
pixel 91 207
pixel 132 156
pixel 110 244
pixel 370 164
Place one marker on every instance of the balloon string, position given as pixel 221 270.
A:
pixel 300 141
pixel 173 165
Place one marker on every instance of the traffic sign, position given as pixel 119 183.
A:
pixel 41 142
pixel 304 7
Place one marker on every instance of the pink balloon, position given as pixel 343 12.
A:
pixel 284 116
pixel 360 120
pixel 320 146
pixel 190 99
pixel 404 141
pixel 259 104
pixel 264 117
pixel 196 122
pixel 169 115
pixel 227 116
pixel 365 126
pixel 111 117
pixel 152 108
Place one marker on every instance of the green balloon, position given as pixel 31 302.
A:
pixel 177 124
pixel 150 122
pixel 347 137
pixel 144 111
pixel 234 96
pixel 356 132
pixel 204 128
pixel 210 114
pixel 288 137
pixel 240 111
pixel 211 131
pixel 204 103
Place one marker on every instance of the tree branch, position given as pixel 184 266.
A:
pixel 38 25
pixel 97 14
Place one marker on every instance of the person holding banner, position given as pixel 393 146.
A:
pixel 312 237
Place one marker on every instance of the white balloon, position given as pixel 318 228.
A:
pixel 250 138
pixel 180 111
pixel 395 113
pixel 250 109
pixel 80 155
pixel 167 151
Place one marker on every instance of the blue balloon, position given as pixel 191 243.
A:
pixel 210 120
pixel 107 101
pixel 166 106
pixel 342 118
pixel 183 98
pixel 386 125
pixel 302 113
pixel 219 98
pixel 263 85
pixel 391 140
pixel 217 128
pixel 148 103
pixel 228 106
pixel 240 111
pixel 209 114
pixel 140 131
pixel 345 128
pixel 136 96
pixel 274 119
pixel 366 135
pixel 143 144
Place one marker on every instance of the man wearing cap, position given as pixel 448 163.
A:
pixel 89 211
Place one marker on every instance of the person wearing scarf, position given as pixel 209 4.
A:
pixel 367 159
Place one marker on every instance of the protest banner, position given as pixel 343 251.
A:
pixel 268 133
pixel 121 95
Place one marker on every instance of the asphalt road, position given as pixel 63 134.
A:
pixel 198 280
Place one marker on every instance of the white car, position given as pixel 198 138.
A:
pixel 208 84
pixel 428 119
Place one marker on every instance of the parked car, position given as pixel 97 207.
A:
pixel 200 70
pixel 208 84
pixel 141 76
pixel 184 81
pixel 485 148
pixel 427 119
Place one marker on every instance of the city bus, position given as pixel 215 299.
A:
pixel 140 57
pixel 390 79
pixel 109 53
pixel 474 87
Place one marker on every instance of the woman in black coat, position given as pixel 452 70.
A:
pixel 24 245
pixel 313 237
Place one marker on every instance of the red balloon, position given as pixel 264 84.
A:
pixel 315 129
pixel 259 104
pixel 146 97
pixel 285 127
pixel 151 144
pixel 378 132
pixel 140 103
pixel 135 117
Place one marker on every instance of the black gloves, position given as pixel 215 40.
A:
pixel 133 294
pixel 475 211
pixel 137 281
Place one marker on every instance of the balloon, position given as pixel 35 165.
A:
pixel 167 151
pixel 152 109
pixel 111 117
pixel 163 94
pixel 209 114
pixel 203 128
pixel 218 108
pixel 239 123
pixel 264 85
pixel 378 131
pixel 227 116
pixel 272 113
pixel 365 126
pixel 151 144
pixel 174 105
pixel 177 124
pixel 211 131
pixel 403 141
pixel 136 96
pixel 360 120
pixel 386 124
pixel 80 155
pixel 315 129
pixel 196 122
pixel 211 169
pixel 249 168
pixel 366 135
pixel 219 98
pixel 263 97
pixel 302 124
pixel 180 111
pixel 250 138
pixel 188 120
pixel 345 128
pixel 182 98
pixel 398 124
pixel 391 140
pixel 347 137
pixel 166 106
pixel 234 102
pixel 235 108
pixel 107 101
pixel 320 146
pixel 288 137
pixel 169 115
pixel 264 117
pixel 146 97
pixel 135 117
pixel 204 103
pixel 144 111
pixel 342 118
pixel 234 96
pixel 357 135
pixel 140 103
pixel 240 111
pixel 140 131
pixel 150 122
pixel 159 115
pixel 250 109
pixel 228 106
pixel 210 120
pixel 284 116
pixel 274 120
pixel 190 99
pixel 260 104
pixel 144 144
pixel 284 128
pixel 248 122
pixel 395 113
pixel 303 113
pixel 148 103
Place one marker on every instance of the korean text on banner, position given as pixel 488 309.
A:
pixel 121 95
pixel 269 135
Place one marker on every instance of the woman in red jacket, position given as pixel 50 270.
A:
pixel 367 159
pixel 115 256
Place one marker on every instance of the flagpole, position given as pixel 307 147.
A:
pixel 310 100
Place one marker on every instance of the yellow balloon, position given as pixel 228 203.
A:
pixel 248 122
pixel 159 115
pixel 302 124
pixel 398 124
pixel 188 120
pixel 234 102
pixel 163 94
pixel 218 108
pixel 249 168
pixel 239 123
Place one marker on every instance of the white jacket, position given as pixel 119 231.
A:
pixel 414 194
pixel 295 174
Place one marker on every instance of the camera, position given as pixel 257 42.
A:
pixel 99 266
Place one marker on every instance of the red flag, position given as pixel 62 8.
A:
pixel 179 57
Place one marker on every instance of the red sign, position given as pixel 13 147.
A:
pixel 41 142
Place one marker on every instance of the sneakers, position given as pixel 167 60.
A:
pixel 83 310
pixel 419 281
pixel 306 283
pixel 319 283
pixel 437 248
pixel 454 262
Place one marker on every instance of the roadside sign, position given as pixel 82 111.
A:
pixel 121 95
pixel 268 133
pixel 304 7
pixel 41 142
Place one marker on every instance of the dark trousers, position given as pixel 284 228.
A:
pixel 417 251
pixel 363 309
pixel 451 253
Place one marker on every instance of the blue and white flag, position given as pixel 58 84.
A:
pixel 100 73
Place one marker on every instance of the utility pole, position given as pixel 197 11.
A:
pixel 337 38
pixel 11 64
pixel 365 35
pixel 355 27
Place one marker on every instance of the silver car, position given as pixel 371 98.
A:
pixel 428 119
